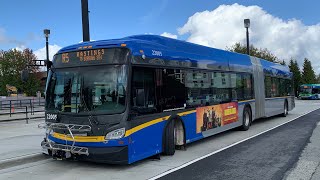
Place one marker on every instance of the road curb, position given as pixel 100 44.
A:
pixel 20 160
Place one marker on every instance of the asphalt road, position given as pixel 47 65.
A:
pixel 266 156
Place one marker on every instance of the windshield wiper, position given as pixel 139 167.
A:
pixel 91 117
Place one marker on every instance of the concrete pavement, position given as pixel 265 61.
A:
pixel 18 139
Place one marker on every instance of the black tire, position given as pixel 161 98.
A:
pixel 246 119
pixel 169 141
pixel 285 109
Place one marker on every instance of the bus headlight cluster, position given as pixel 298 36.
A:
pixel 116 134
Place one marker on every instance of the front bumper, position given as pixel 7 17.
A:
pixel 110 155
pixel 66 147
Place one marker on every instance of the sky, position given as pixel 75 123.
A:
pixel 288 28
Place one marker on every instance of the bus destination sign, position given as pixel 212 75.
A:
pixel 89 55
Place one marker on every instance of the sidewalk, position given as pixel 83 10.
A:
pixel 308 166
pixel 19 139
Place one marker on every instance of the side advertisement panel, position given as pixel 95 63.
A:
pixel 210 117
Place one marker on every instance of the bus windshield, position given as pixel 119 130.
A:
pixel 84 89
pixel 306 90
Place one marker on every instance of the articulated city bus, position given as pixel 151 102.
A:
pixel 124 100
pixel 309 91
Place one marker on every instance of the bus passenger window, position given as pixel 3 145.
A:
pixel 172 92
pixel 275 87
pixel 139 100
pixel 143 91
pixel 208 88
pixel 267 86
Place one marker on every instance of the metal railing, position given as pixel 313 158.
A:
pixel 5 104
pixel 21 106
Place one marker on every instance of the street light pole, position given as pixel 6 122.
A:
pixel 46 34
pixel 85 20
pixel 247 25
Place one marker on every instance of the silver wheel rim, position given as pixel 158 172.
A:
pixel 285 109
pixel 246 118
pixel 175 135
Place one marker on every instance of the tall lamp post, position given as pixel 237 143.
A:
pixel 46 34
pixel 247 25
pixel 85 20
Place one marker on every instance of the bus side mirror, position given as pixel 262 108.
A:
pixel 25 75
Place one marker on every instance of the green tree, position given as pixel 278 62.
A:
pixel 294 68
pixel 253 51
pixel 12 62
pixel 31 86
pixel 283 63
pixel 308 75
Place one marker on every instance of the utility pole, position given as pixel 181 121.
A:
pixel 247 25
pixel 46 33
pixel 85 20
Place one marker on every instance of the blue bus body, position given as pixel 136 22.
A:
pixel 144 138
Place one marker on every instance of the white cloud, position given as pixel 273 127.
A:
pixel 89 41
pixel 5 39
pixel 20 48
pixel 169 35
pixel 41 53
pixel 224 27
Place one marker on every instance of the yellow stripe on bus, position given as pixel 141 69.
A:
pixel 128 132
pixel 155 121
pixel 246 100
pixel 186 113
pixel 79 138
pixel 144 125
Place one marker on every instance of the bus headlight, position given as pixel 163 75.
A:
pixel 116 134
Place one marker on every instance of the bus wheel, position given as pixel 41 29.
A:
pixel 169 139
pixel 285 109
pixel 246 119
